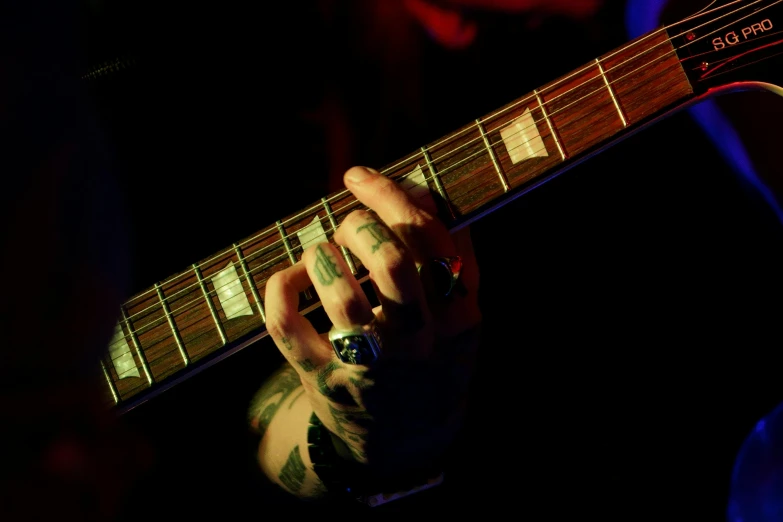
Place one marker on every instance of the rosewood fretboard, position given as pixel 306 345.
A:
pixel 215 307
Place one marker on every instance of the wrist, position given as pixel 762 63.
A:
pixel 345 477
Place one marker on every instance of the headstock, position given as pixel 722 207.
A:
pixel 731 41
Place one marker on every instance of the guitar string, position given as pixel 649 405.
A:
pixel 248 278
pixel 283 256
pixel 210 330
pixel 269 263
pixel 277 244
pixel 228 317
pixel 318 208
pixel 271 232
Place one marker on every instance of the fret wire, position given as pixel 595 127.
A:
pixel 290 250
pixel 112 388
pixel 210 304
pixel 137 345
pixel 250 282
pixel 333 222
pixel 286 242
pixel 435 177
pixel 172 325
pixel 492 155
pixel 611 92
pixel 549 123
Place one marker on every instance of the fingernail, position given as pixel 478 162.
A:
pixel 359 174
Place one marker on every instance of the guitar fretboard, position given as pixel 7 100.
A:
pixel 218 303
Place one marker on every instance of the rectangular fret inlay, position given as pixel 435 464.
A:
pixel 121 356
pixel 230 292
pixel 172 325
pixel 312 234
pixel 415 184
pixel 522 139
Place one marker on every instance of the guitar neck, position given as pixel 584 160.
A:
pixel 215 307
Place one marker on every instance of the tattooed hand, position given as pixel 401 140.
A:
pixel 404 409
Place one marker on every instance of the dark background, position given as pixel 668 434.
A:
pixel 631 304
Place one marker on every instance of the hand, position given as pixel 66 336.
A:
pixel 408 405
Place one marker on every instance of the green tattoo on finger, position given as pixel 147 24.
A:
pixel 378 232
pixel 307 365
pixel 325 268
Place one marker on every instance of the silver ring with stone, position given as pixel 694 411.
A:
pixel 360 344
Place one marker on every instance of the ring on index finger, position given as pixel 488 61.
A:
pixel 360 344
